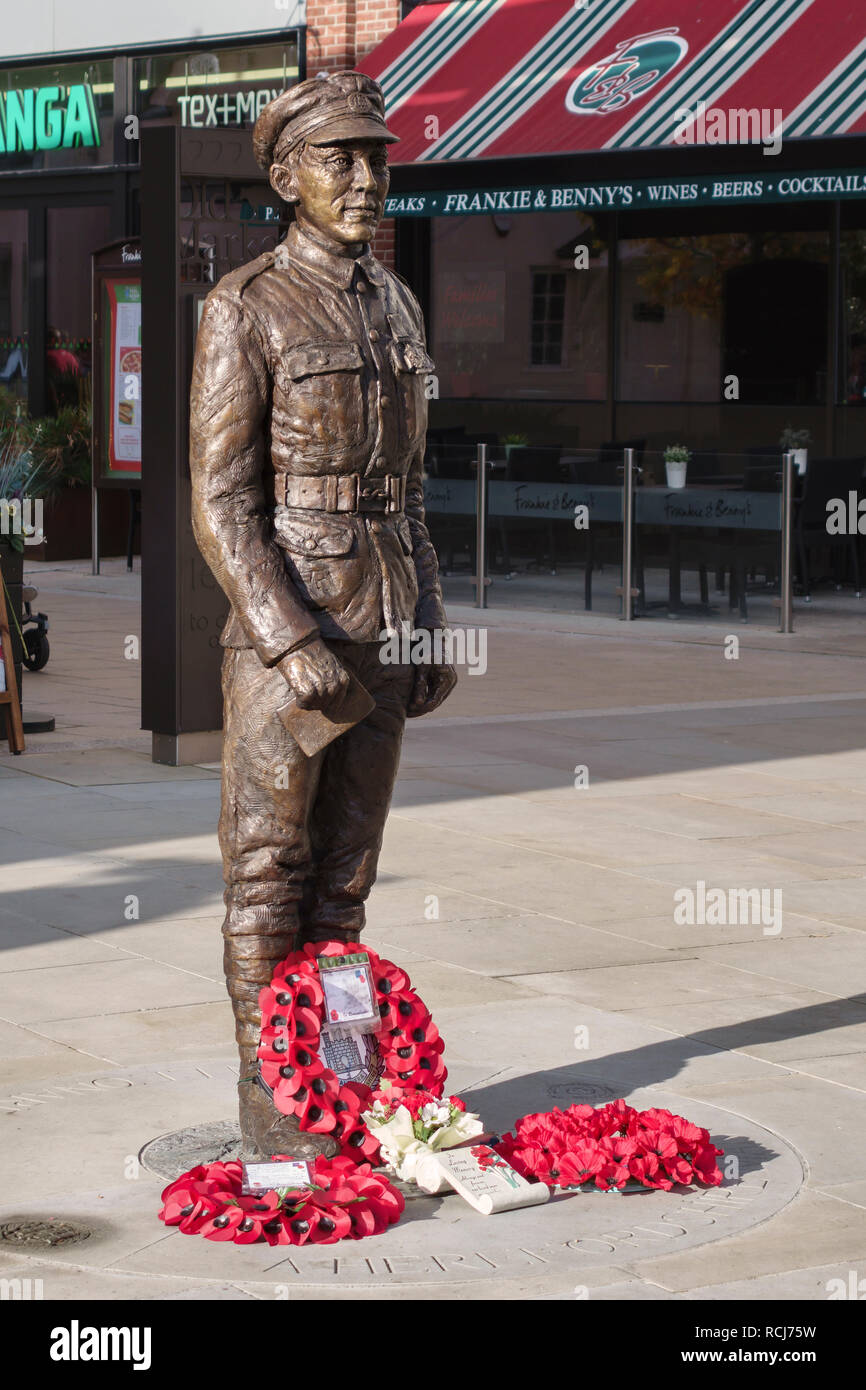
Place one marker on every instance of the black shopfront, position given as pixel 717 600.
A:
pixel 70 177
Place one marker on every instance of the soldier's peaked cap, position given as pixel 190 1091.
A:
pixel 324 110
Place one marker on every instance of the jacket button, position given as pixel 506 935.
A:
pixel 386 401
pixel 374 335
pixel 361 287
pixel 309 543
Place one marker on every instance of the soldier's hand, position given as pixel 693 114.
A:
pixel 433 684
pixel 318 679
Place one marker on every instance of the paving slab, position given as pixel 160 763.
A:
pixel 812 1230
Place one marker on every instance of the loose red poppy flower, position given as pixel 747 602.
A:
pixel 188 1206
pixel 258 1211
pixel 390 979
pixel 648 1171
pixel 679 1169
pixel 706 1169
pixel 316 1111
pixel 277 1230
pixel 581 1164
pixel 358 1144
pixel 403 1011
pixel 224 1225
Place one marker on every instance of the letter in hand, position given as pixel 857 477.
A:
pixel 326 698
pixel 317 677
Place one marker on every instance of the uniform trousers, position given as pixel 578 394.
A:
pixel 300 837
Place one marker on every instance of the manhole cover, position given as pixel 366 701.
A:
pixel 42 1233
pixel 581 1092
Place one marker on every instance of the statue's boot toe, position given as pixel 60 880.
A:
pixel 264 1131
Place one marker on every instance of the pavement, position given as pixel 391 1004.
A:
pixel 546 824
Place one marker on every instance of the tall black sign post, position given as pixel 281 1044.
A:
pixel 205 209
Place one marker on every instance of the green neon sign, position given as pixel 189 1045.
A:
pixel 47 118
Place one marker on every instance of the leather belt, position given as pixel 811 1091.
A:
pixel 350 493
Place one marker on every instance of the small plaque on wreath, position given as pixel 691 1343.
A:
pixel 349 996
pixel 282 1174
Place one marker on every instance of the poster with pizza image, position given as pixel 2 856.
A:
pixel 123 365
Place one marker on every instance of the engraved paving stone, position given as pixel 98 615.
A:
pixel 439 1241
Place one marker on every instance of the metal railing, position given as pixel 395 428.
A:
pixel 627 534
pixel 481 527
pixel 786 574
pixel 656 506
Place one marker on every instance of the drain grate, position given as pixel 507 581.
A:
pixel 42 1233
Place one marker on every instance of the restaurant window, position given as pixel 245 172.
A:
pixel 548 318
pixel 697 311
pixel 222 87
pixel 13 302
pixel 853 375
pixel 511 316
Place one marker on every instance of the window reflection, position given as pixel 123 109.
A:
pixel 697 310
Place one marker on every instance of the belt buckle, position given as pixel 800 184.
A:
pixel 372 499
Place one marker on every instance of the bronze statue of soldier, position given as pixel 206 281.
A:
pixel 308 420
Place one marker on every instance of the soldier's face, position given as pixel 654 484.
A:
pixel 342 189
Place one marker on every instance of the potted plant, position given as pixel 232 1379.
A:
pixel 676 462
pixel 22 487
pixel 796 442
pixel 56 451
pixel 514 441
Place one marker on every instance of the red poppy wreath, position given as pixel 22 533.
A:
pixel 343 1199
pixel 406 1048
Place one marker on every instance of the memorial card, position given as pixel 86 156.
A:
pixel 271 1177
pixel 349 995
pixel 482 1178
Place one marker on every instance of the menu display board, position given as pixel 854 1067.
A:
pixel 122 374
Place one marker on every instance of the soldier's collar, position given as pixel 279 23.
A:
pixel 315 256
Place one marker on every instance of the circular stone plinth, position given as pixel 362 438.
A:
pixel 173 1154
pixel 442 1241
pixel 440 1249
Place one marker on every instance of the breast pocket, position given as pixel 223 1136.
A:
pixel 321 395
pixel 412 368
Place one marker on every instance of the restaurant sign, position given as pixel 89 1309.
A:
pixel 705 191
pixel 47 118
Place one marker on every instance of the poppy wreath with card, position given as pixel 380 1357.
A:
pixel 405 1048
pixel 341 1200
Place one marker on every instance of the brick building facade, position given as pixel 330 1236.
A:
pixel 339 34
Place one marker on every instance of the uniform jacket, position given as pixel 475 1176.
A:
pixel 311 365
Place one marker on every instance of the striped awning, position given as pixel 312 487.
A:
pixel 493 78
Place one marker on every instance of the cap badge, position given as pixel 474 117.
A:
pixel 356 101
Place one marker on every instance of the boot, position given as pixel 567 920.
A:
pixel 257 939
pixel 264 1131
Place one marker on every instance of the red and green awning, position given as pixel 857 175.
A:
pixel 493 78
